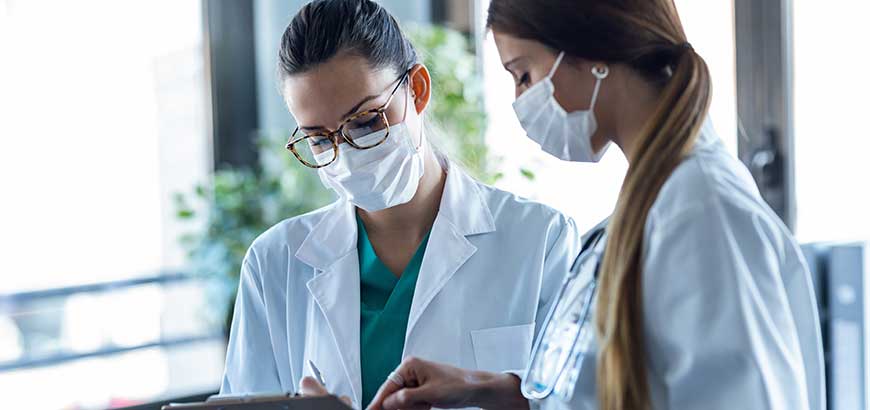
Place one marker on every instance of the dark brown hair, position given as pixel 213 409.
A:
pixel 324 28
pixel 647 36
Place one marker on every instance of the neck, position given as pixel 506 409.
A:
pixel 633 116
pixel 415 218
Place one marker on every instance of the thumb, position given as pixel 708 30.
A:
pixel 309 386
pixel 410 398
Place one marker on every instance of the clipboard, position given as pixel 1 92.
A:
pixel 263 402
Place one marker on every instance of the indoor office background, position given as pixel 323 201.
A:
pixel 142 150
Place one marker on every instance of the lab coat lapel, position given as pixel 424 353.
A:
pixel 331 249
pixel 332 237
pixel 463 212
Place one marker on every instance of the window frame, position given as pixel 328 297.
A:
pixel 764 60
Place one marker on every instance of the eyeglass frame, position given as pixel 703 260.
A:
pixel 331 134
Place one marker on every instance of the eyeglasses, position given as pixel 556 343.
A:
pixel 319 149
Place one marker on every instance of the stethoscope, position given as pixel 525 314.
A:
pixel 557 356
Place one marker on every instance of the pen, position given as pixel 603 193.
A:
pixel 316 372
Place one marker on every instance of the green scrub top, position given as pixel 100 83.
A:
pixel 385 303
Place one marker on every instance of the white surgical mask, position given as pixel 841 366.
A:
pixel 564 135
pixel 378 178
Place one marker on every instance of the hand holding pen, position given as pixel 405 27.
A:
pixel 316 385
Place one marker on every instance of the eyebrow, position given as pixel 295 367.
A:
pixel 347 114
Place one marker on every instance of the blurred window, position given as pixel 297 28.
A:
pixel 102 118
pixel 832 141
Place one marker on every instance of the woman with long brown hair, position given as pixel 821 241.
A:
pixel 693 295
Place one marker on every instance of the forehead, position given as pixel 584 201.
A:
pixel 324 94
pixel 511 47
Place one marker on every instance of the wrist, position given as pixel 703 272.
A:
pixel 497 391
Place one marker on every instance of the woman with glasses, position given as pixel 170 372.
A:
pixel 416 258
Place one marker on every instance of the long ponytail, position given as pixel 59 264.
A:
pixel 666 140
pixel 647 36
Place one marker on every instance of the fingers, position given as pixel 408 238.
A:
pixel 386 390
pixel 308 386
pixel 404 373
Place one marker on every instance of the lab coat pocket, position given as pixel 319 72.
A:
pixel 503 349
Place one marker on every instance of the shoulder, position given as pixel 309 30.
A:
pixel 708 179
pixel 509 209
pixel 711 194
pixel 529 224
pixel 528 231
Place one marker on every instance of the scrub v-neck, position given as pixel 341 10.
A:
pixel 385 303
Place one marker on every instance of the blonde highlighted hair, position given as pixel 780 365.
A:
pixel 647 36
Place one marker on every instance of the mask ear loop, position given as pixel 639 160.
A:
pixel 600 74
pixel 556 65
pixel 422 125
pixel 422 118
pixel 413 99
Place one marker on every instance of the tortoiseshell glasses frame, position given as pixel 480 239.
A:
pixel 314 140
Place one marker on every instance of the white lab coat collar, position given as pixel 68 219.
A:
pixel 707 138
pixel 332 237
pixel 462 205
pixel 331 248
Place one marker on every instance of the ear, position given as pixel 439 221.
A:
pixel 421 86
pixel 581 64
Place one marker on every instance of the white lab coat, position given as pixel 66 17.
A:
pixel 730 314
pixel 491 267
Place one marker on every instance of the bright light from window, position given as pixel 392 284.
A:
pixel 102 118
pixel 832 141
pixel 94 93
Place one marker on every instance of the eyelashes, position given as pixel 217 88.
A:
pixel 524 80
